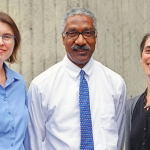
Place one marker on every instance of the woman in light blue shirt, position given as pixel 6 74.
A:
pixel 13 110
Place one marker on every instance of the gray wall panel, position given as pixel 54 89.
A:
pixel 121 26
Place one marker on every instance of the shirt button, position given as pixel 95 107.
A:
pixel 12 145
pixel 4 99
pixel 13 128
pixel 144 128
pixel 9 113
pixel 143 144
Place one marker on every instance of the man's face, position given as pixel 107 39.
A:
pixel 79 23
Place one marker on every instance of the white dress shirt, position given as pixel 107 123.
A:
pixel 53 103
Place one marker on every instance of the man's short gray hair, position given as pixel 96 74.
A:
pixel 78 11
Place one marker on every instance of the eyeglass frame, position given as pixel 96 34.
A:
pixel 80 33
pixel 8 35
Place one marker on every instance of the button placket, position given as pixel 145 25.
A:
pixel 9 113
pixel 12 127
pixel 11 123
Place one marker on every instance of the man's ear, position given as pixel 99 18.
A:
pixel 95 38
pixel 63 38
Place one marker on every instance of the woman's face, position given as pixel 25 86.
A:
pixel 7 45
pixel 145 57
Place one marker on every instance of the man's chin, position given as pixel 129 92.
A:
pixel 81 62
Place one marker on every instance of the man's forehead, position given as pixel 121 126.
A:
pixel 78 16
pixel 74 28
pixel 79 21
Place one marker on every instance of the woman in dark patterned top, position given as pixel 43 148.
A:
pixel 137 108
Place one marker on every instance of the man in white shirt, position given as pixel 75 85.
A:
pixel 53 96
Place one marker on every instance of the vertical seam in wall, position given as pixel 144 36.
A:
pixel 114 53
pixel 20 66
pixel 129 48
pixel 78 4
pixel 43 31
pixel 67 5
pixel 122 38
pixel 8 6
pixel 105 37
pixel 9 65
pixel 31 28
pixel 56 33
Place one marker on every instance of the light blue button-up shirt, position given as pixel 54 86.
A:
pixel 13 112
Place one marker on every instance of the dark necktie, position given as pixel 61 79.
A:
pixel 85 115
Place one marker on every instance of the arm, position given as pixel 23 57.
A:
pixel 120 112
pixel 128 125
pixel 130 104
pixel 35 133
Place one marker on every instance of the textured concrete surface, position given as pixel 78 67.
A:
pixel 121 26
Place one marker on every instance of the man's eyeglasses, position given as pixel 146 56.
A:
pixel 8 38
pixel 75 34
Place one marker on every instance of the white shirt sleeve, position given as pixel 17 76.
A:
pixel 120 113
pixel 35 133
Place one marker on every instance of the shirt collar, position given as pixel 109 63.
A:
pixel 11 76
pixel 88 68
pixel 74 70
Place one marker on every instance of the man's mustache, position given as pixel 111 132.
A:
pixel 80 47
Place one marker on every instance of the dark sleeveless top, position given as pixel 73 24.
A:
pixel 140 125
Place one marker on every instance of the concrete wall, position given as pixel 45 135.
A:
pixel 121 25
